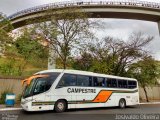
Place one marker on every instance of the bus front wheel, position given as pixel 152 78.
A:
pixel 122 103
pixel 60 106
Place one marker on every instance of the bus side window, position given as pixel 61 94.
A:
pixel 114 83
pixel 111 83
pixel 95 82
pixel 84 80
pixel 67 80
pixel 99 81
pixel 108 82
pixel 132 84
pixel 122 83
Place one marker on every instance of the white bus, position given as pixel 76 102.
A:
pixel 59 90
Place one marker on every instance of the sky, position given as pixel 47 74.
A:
pixel 120 28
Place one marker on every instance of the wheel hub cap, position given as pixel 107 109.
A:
pixel 60 106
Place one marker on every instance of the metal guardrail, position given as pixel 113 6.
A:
pixel 144 4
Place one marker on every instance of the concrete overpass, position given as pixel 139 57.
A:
pixel 139 10
pixel 148 11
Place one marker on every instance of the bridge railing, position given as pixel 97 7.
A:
pixel 133 3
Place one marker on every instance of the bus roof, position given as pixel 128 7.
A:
pixel 84 73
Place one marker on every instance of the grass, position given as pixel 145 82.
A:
pixel 10 68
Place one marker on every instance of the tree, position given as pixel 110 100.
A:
pixel 84 62
pixel 66 29
pixel 5 41
pixel 24 53
pixel 5 27
pixel 29 49
pixel 145 71
pixel 114 56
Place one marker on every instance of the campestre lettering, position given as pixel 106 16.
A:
pixel 80 90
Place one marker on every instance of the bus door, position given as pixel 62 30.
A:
pixel 42 89
pixel 41 99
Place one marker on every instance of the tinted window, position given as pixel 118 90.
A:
pixel 111 82
pixel 114 83
pixel 108 82
pixel 84 80
pixel 99 81
pixel 122 83
pixel 132 84
pixel 67 80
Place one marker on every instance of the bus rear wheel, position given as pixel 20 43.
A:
pixel 60 106
pixel 122 103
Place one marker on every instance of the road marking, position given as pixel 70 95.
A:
pixel 10 109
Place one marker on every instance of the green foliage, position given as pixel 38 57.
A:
pixel 18 100
pixel 3 95
pixel 13 67
pixel 100 67
pixel 24 55
pixel 5 27
pixel 83 63
pixel 158 68
pixel 145 71
pixel 7 68
pixel 112 56
pixel 28 47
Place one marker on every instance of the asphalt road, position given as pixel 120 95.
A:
pixel 141 112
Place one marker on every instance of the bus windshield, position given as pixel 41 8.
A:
pixel 39 85
pixel 28 88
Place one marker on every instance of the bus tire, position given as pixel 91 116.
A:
pixel 122 103
pixel 60 106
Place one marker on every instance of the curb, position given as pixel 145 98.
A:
pixel 149 103
pixel 10 109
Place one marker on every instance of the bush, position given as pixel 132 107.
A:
pixel 19 98
pixel 3 95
